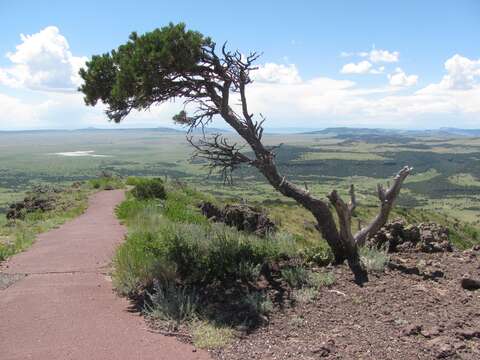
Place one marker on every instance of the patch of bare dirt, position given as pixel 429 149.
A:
pixel 417 309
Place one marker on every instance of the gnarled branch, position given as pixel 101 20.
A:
pixel 387 199
pixel 220 154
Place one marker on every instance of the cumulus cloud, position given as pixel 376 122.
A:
pixel 462 73
pixel 400 78
pixel 43 61
pixel 363 67
pixel 19 114
pixel 376 56
pixel 277 73
pixel 322 101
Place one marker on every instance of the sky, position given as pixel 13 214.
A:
pixel 405 64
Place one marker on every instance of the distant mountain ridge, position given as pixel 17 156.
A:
pixel 345 132
pixel 341 132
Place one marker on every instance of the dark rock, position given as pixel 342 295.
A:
pixel 324 349
pixel 470 284
pixel 425 237
pixel 468 333
pixel 40 198
pixel 243 217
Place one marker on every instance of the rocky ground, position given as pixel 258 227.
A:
pixel 416 309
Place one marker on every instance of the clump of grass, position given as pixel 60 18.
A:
pixel 107 181
pixel 258 303
pixel 134 263
pixel 295 276
pixel 172 304
pixel 149 189
pixel 211 336
pixel 248 271
pixel 374 259
pixel 306 294
pixel 318 280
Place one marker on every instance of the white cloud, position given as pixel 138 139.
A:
pixel 277 73
pixel 400 78
pixel 382 56
pixel 322 101
pixel 375 55
pixel 18 114
pixel 462 73
pixel 43 61
pixel 363 67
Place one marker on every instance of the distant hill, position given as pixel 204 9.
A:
pixel 363 133
pixel 462 132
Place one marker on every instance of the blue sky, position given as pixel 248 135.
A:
pixel 402 64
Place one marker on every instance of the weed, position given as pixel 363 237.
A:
pixel 374 259
pixel 295 276
pixel 318 280
pixel 210 336
pixel 258 303
pixel 172 304
pixel 306 295
pixel 106 183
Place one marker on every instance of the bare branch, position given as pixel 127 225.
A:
pixel 353 200
pixel 222 156
pixel 387 199
pixel 344 217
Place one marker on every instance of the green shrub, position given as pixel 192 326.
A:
pixel 106 183
pixel 173 304
pixel 139 261
pixel 258 303
pixel 374 259
pixel 130 209
pixel 306 294
pixel 149 189
pixel 318 280
pixel 295 276
pixel 319 254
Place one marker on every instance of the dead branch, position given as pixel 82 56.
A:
pixel 387 199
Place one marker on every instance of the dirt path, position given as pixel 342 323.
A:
pixel 64 308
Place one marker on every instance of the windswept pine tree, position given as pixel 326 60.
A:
pixel 176 63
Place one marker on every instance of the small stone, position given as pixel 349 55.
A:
pixel 431 331
pixel 324 349
pixel 412 329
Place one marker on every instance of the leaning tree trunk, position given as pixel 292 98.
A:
pixel 343 243
pixel 233 72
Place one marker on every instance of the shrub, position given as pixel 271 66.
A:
pixel 318 280
pixel 172 304
pixel 319 254
pixel 374 259
pixel 306 295
pixel 106 182
pixel 258 303
pixel 139 261
pixel 149 189
pixel 295 276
